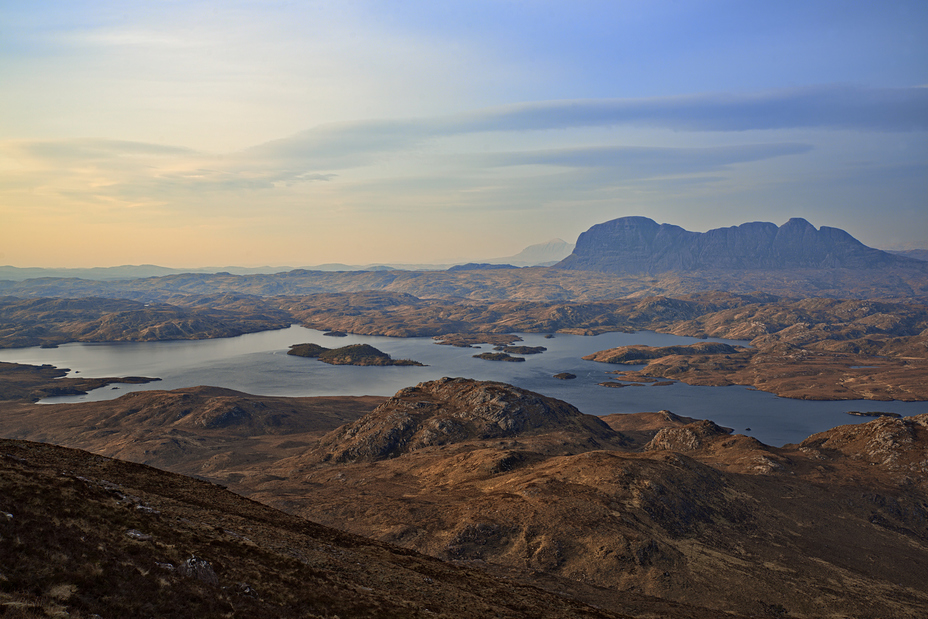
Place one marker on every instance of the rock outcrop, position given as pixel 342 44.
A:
pixel 688 438
pixel 453 410
pixel 638 245
pixel 892 443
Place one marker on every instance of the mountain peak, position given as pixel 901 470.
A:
pixel 639 245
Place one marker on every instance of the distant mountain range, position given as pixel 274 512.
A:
pixel 631 256
pixel 638 245
pixel 918 254
pixel 541 254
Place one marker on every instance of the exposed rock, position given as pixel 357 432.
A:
pixel 200 569
pixel 138 535
pixel 51 321
pixel 688 438
pixel 887 441
pixel 451 410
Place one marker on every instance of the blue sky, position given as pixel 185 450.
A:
pixel 251 133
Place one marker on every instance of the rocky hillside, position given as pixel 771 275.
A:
pixel 84 536
pixel 454 410
pixel 648 514
pixel 684 512
pixel 638 245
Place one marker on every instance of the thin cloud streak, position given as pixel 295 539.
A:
pixel 827 107
pixel 346 145
pixel 137 173
pixel 647 160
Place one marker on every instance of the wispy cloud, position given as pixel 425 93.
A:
pixel 137 171
pixel 647 161
pixel 346 145
pixel 828 107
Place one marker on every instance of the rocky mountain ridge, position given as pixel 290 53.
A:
pixel 639 245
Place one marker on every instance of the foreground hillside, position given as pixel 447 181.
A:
pixel 85 536
pixel 648 514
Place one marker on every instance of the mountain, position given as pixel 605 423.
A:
pixel 638 245
pixel 917 254
pixel 540 254
pixel 18 274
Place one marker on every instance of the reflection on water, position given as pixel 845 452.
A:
pixel 257 363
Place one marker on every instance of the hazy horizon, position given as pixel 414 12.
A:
pixel 197 133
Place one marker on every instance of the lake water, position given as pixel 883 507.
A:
pixel 257 363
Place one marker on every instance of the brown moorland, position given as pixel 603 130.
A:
pixel 649 514
pixel 85 536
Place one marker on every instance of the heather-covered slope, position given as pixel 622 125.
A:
pixel 84 536
pixel 648 514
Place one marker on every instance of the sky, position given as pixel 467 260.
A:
pixel 204 133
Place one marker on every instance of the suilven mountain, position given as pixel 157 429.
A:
pixel 638 245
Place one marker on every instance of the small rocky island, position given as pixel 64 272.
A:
pixel 354 354
pixel 472 340
pixel 521 350
pixel 498 356
pixel 874 414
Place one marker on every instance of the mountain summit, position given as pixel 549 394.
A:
pixel 638 245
